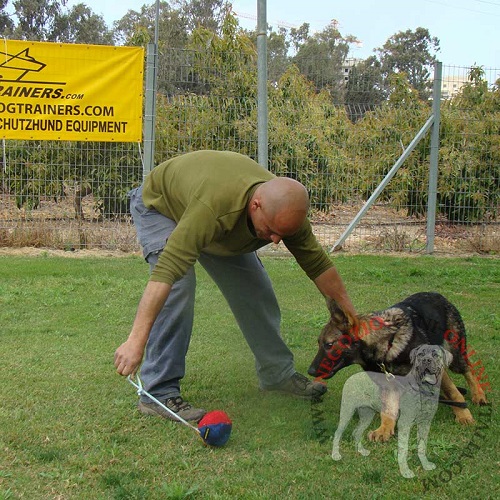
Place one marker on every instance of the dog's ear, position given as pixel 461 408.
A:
pixel 413 353
pixel 447 356
pixel 338 316
pixel 393 317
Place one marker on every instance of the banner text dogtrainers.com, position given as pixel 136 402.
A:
pixel 51 91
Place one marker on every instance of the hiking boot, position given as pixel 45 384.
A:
pixel 300 386
pixel 177 405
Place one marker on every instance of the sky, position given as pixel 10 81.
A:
pixel 468 30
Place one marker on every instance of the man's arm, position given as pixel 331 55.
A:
pixel 129 355
pixel 330 284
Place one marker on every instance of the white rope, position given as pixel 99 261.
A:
pixel 141 391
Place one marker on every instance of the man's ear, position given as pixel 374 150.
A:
pixel 254 204
pixel 338 315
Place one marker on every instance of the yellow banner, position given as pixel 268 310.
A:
pixel 70 92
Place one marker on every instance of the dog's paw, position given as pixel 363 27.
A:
pixel 336 455
pixel 407 473
pixel 363 451
pixel 427 465
pixel 465 419
pixel 381 435
pixel 479 399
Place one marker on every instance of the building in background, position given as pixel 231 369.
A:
pixel 347 67
pixel 451 85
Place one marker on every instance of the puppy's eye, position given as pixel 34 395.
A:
pixel 327 346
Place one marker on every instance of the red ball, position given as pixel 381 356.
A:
pixel 215 428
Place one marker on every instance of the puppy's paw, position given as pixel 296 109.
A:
pixel 381 435
pixel 407 473
pixel 336 455
pixel 427 465
pixel 363 451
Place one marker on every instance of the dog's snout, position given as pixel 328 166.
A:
pixel 312 371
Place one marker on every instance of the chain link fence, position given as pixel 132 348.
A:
pixel 339 137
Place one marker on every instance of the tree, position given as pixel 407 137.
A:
pixel 43 169
pixel 49 21
pixel 365 88
pixel 299 35
pixel 413 53
pixel 278 46
pixel 208 14
pixel 6 24
pixel 138 27
pixel 278 60
pixel 178 20
pixel 321 56
pixel 219 94
pixel 469 176
pixel 81 25
pixel 308 134
pixel 227 61
pixel 37 19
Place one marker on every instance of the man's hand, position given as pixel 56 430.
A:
pixel 330 284
pixel 128 357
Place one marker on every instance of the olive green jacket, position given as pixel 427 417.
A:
pixel 207 194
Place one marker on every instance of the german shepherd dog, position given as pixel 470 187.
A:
pixel 382 341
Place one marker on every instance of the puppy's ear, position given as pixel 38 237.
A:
pixel 447 356
pixel 338 316
pixel 413 353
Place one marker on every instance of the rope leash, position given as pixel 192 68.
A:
pixel 141 391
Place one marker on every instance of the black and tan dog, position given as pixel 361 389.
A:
pixel 382 341
pixel 414 402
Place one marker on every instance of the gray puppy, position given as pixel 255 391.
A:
pixel 414 396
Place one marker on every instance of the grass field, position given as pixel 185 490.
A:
pixel 69 428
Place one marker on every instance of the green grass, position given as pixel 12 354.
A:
pixel 69 428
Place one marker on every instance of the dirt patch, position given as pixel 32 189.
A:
pixel 53 229
pixel 92 252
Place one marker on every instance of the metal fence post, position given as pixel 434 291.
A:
pixel 262 132
pixel 150 109
pixel 434 158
